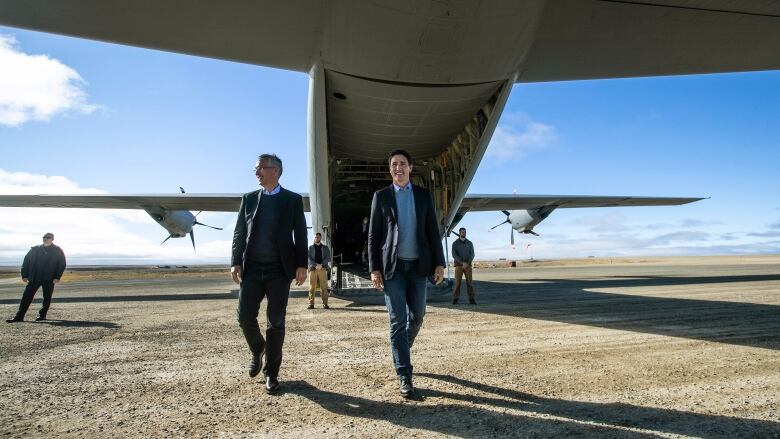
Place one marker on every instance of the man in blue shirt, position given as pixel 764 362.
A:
pixel 404 248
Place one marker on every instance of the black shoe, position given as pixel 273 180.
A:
pixel 454 301
pixel 311 306
pixel 13 320
pixel 326 306
pixel 472 302
pixel 40 319
pixel 406 387
pixel 255 364
pixel 271 385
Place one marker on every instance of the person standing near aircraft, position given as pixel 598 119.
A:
pixel 42 268
pixel 269 251
pixel 364 241
pixel 463 254
pixel 404 248
pixel 319 256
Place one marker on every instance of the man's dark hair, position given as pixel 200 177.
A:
pixel 273 159
pixel 402 152
pixel 461 229
pixel 318 234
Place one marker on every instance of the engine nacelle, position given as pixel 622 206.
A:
pixel 178 223
pixel 525 220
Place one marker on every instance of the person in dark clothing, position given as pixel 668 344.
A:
pixel 42 268
pixel 404 248
pixel 463 254
pixel 269 251
pixel 364 243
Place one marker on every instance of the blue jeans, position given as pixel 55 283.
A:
pixel 405 295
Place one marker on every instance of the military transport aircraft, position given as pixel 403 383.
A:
pixel 430 76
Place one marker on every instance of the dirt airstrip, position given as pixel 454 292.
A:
pixel 657 347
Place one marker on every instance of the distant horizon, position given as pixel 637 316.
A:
pixel 172 265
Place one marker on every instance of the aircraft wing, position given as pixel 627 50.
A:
pixel 617 38
pixel 435 42
pixel 475 202
pixel 204 202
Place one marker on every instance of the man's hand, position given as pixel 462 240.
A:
pixel 438 275
pixel 300 276
pixel 25 280
pixel 376 279
pixel 465 265
pixel 56 281
pixel 318 267
pixel 235 272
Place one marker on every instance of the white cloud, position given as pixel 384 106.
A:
pixel 517 135
pixel 36 87
pixel 97 236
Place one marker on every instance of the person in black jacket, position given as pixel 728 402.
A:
pixel 404 248
pixel 42 267
pixel 269 251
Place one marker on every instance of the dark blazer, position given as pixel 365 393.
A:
pixel 290 231
pixel 383 232
pixel 55 264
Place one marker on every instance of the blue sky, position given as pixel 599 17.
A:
pixel 84 116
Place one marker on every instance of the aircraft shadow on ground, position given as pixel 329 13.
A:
pixel 573 301
pixel 563 418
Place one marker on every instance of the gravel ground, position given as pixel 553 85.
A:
pixel 642 349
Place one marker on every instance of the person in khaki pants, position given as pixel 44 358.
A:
pixel 319 256
pixel 463 253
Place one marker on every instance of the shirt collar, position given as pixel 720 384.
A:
pixel 273 192
pixel 399 188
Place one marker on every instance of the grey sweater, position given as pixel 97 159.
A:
pixel 462 251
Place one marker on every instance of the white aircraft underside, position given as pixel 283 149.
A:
pixel 431 77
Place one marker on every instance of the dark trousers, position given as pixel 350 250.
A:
pixel 258 282
pixel 29 294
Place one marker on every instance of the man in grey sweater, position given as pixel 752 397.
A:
pixel 463 253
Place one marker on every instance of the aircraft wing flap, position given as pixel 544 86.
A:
pixel 477 202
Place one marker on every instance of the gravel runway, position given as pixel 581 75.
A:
pixel 654 348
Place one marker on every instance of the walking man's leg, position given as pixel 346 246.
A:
pixel 277 294
pixel 27 298
pixel 395 299
pixel 48 290
pixel 251 292
pixel 416 295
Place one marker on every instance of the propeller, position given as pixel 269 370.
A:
pixel 201 224
pixel 169 237
pixel 196 222
pixel 506 221
pixel 511 229
pixel 512 237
